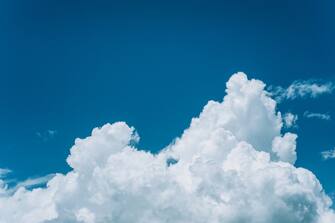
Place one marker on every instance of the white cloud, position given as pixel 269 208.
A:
pixel 284 147
pixel 301 89
pixel 290 120
pixel 328 154
pixel 231 165
pixel 308 114
pixel 85 215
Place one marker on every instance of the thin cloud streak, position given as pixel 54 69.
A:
pixel 322 116
pixel 301 89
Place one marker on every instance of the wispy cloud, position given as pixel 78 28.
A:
pixel 33 182
pixel 328 154
pixel 4 172
pixel 47 135
pixel 10 186
pixel 308 114
pixel 301 89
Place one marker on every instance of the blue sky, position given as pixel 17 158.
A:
pixel 69 66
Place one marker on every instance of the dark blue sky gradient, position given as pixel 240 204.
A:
pixel 74 65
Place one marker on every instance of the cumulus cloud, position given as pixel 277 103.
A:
pixel 284 147
pixel 233 164
pixel 308 114
pixel 328 154
pixel 290 120
pixel 301 89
